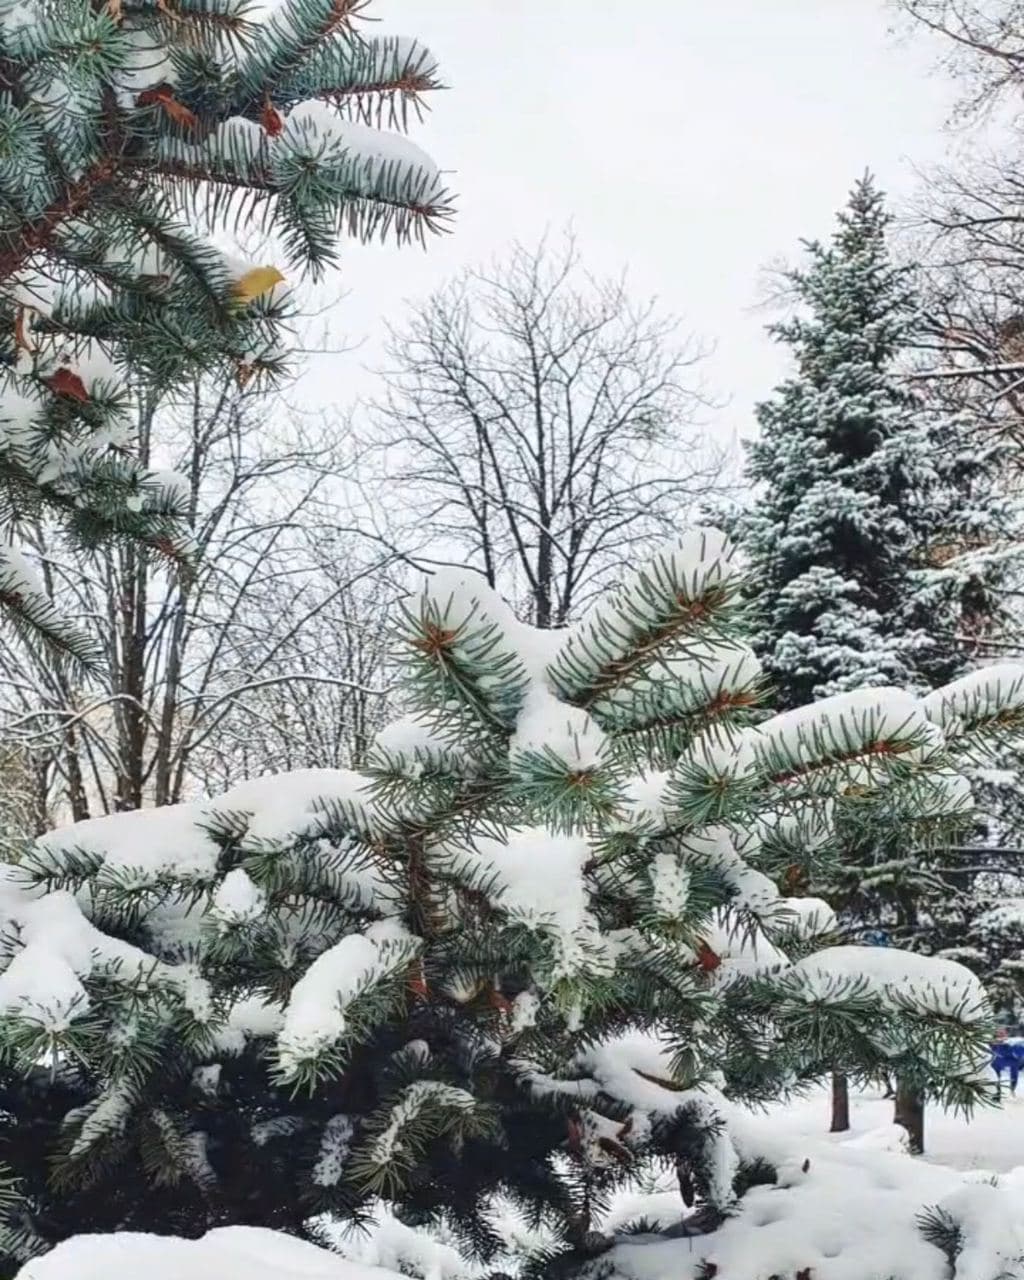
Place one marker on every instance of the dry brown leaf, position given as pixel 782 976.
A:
pixel 162 95
pixel 271 119
pixel 65 382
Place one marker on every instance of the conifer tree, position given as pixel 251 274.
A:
pixel 876 534
pixel 134 135
pixel 531 948
pixel 865 504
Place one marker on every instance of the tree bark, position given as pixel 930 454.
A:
pixel 909 1112
pixel 840 1103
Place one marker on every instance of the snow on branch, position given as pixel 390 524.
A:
pixel 461 638
pixel 987 699
pixel 861 732
pixel 681 597
pixel 318 1016
pixel 24 599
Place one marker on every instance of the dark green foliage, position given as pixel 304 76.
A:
pixel 501 964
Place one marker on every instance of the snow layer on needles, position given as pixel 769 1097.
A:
pixel 644 601
pixel 339 134
pixel 230 1253
pixel 900 979
pixel 316 1016
pixel 137 846
pixel 841 725
pixel 285 806
pixel 976 697
pixel 412 744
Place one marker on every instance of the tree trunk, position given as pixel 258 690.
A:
pixel 909 1112
pixel 840 1103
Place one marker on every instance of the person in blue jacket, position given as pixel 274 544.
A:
pixel 1008 1056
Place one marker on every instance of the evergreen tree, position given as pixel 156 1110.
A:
pixel 532 948
pixel 876 536
pixel 865 505
pixel 132 134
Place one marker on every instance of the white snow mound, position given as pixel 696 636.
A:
pixel 231 1253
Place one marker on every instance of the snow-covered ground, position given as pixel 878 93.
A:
pixel 993 1138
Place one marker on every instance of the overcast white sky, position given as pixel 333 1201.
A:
pixel 691 141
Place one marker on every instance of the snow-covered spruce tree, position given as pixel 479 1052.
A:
pixel 876 536
pixel 535 946
pixel 866 505
pixel 132 134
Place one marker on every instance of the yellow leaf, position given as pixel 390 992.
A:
pixel 114 8
pixel 255 283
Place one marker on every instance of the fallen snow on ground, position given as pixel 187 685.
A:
pixel 232 1253
pixel 849 1206
pixel 992 1139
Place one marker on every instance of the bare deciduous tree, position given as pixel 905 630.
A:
pixel 242 666
pixel 983 45
pixel 538 426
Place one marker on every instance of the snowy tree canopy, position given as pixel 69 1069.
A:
pixel 879 528
pixel 536 944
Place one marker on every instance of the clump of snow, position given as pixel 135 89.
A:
pixel 719 756
pixel 315 1017
pixel 899 979
pixel 975 698
pixel 539 879
pixel 136 847
pixel 670 885
pixel 286 806
pixel 548 725
pixel 17 576
pixel 248 1019
pixel 237 900
pixel 334 1148
pixel 714 848
pixel 385 1241
pixel 57 950
pixel 525 1008
pixel 412 745
pixel 807 917
pixel 207 1079
pixel 643 801
pixel 225 1254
